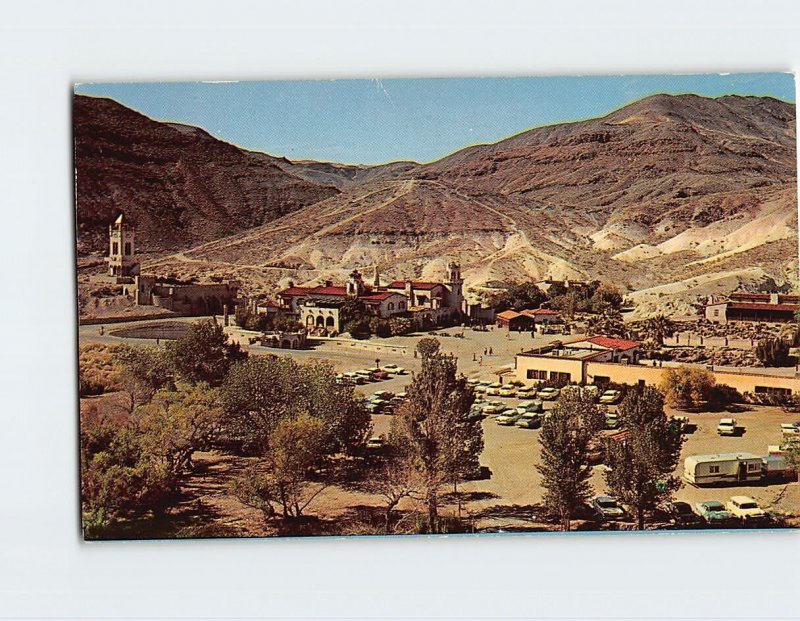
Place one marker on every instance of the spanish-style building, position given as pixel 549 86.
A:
pixel 763 307
pixel 319 307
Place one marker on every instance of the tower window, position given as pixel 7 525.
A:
pixel 127 247
pixel 114 248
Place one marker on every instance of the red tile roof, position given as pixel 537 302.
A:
pixel 416 284
pixel 509 314
pixel 612 343
pixel 296 291
pixel 379 297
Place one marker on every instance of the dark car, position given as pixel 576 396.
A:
pixel 681 514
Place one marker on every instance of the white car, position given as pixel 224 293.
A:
pixel 790 429
pixel 727 427
pixel 526 392
pixel 493 390
pixel 529 420
pixel 481 387
pixel 473 381
pixel 393 369
pixel 549 394
pixel 610 397
pixel 508 417
pixel 612 420
pixel 746 509
pixel 493 407
pixel 506 391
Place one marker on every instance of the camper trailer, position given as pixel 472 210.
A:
pixel 777 468
pixel 722 468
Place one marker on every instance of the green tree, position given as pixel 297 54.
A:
pixel 608 323
pixel 297 446
pixel 564 466
pixel 641 467
pixel 175 424
pixel 606 295
pixel 686 387
pixel 773 352
pixel 432 428
pixel 518 296
pixel 428 347
pixel 657 328
pixel 145 370
pixel 260 392
pixel 203 354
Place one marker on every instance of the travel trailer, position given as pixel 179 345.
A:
pixel 722 468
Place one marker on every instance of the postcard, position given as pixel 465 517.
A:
pixel 437 306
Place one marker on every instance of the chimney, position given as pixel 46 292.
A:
pixel 773 298
pixel 409 294
pixel 329 283
pixel 291 284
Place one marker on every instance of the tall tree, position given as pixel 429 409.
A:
pixel 204 354
pixel 641 466
pixel 564 466
pixel 518 296
pixel 428 346
pixel 433 427
pixel 657 328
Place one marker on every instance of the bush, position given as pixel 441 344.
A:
pixel 99 370
pixel 688 387
pixel 773 352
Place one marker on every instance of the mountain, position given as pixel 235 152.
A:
pixel 346 175
pixel 176 183
pixel 670 197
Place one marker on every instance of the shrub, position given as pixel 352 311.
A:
pixel 687 387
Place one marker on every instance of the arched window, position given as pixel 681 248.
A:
pixel 391 305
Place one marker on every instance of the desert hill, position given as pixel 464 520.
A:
pixel 178 184
pixel 666 189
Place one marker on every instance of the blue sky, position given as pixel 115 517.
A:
pixel 375 121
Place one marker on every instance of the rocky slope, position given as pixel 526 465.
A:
pixel 653 196
pixel 179 185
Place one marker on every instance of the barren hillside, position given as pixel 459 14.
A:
pixel 664 188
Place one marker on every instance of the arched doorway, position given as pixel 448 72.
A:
pixel 329 323
pixel 320 321
pixel 286 344
pixel 310 320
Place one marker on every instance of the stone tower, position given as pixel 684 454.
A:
pixel 455 284
pixel 121 251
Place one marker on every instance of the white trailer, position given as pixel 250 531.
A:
pixel 722 468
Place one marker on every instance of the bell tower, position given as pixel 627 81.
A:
pixel 121 250
pixel 455 284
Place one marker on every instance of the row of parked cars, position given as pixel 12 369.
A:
pixel 384 402
pixel 362 376
pixel 518 389
pixel 738 511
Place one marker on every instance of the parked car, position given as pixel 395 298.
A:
pixel 610 397
pixel 375 446
pixel 612 420
pixel 354 377
pixel 790 430
pixel 530 406
pixel 493 408
pixel 365 374
pixel 727 427
pixel 473 381
pixel 393 369
pixel 481 387
pixel 592 391
pixel 714 513
pixel 493 389
pixel 607 508
pixel 746 509
pixel 529 420
pixel 681 514
pixel 475 412
pixel 548 393
pixel 379 375
pixel 526 392
pixel 507 417
pixel 374 406
pixel 382 394
pixel 507 391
